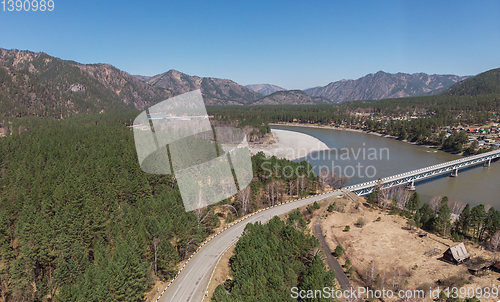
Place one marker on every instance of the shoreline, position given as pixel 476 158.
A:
pixel 288 144
pixel 368 132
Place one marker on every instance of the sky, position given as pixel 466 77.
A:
pixel 292 44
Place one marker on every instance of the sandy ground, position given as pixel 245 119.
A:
pixel 399 254
pixel 221 273
pixel 290 145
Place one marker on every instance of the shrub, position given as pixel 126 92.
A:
pixel 339 251
pixel 347 263
pixel 229 218
pixel 378 219
pixel 347 228
pixel 360 222
pixel 411 224
pixel 350 271
pixel 406 214
pixel 394 212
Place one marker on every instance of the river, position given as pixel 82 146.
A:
pixel 365 157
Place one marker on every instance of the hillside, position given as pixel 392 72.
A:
pixel 215 91
pixel 265 89
pixel 291 97
pixel 382 85
pixel 36 84
pixel 485 83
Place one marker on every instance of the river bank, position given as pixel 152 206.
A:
pixel 288 144
pixel 367 132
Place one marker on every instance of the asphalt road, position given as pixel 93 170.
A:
pixel 191 284
pixel 332 262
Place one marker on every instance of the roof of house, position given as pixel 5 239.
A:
pixel 496 265
pixel 459 252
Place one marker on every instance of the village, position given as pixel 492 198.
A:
pixel 486 136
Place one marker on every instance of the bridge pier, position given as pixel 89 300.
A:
pixel 487 163
pixel 411 186
pixel 454 173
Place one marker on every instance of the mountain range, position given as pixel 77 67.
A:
pixel 36 84
pixel 215 91
pixel 42 85
pixel 382 85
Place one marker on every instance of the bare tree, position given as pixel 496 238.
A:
pixel 456 207
pixel 303 183
pixel 201 211
pixel 270 188
pixel 494 242
pixel 435 203
pixel 291 187
pixel 322 177
pixel 280 190
pixel 274 192
pixel 403 197
pixel 381 192
pixel 187 249
pixel 156 241
pixel 391 192
pixel 244 200
pixel 333 179
pixel 231 208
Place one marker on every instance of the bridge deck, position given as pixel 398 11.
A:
pixel 419 174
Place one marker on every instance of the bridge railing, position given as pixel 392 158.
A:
pixel 438 168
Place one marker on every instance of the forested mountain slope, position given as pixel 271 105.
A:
pixel 36 84
pixel 485 83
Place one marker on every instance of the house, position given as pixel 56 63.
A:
pixel 456 254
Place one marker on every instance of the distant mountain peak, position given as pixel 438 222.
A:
pixel 265 89
pixel 290 97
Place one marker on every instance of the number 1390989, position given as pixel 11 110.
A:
pixel 27 5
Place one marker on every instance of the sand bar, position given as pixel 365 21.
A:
pixel 290 145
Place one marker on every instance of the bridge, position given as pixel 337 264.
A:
pixel 409 178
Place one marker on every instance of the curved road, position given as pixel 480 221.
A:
pixel 191 284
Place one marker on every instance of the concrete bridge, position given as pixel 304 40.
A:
pixel 409 178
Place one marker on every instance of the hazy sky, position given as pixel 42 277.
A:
pixel 293 44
